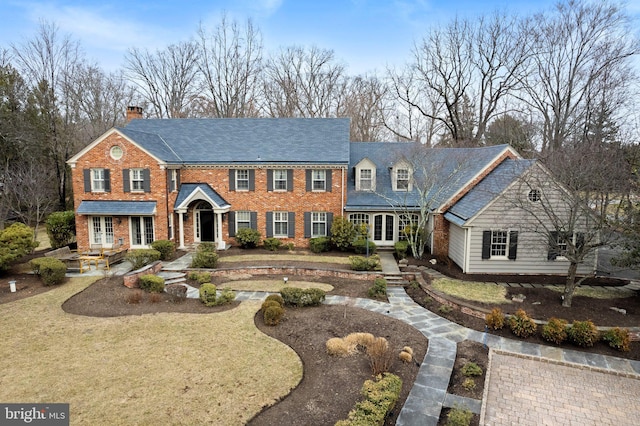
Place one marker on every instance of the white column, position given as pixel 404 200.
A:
pixel 221 243
pixel 181 229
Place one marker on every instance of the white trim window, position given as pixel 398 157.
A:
pixel 142 231
pixel 281 224
pixel 242 180
pixel 97 180
pixel 279 180
pixel 318 224
pixel 101 230
pixel 402 179
pixel 319 180
pixel 359 218
pixel 173 173
pixel 243 220
pixel 137 180
pixel 365 179
pixel 534 195
pixel 499 243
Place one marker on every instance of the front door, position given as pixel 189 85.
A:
pixel 207 224
pixel 383 229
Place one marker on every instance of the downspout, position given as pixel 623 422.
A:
pixel 467 254
pixel 342 189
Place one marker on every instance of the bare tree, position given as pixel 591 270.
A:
pixel 571 50
pixel 567 205
pixel 102 100
pixel 364 103
pixel 49 63
pixel 433 174
pixel 468 68
pixel 230 62
pixel 301 82
pixel 167 79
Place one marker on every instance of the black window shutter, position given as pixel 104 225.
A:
pixel 553 246
pixel 269 229
pixel 329 223
pixel 232 224
pixel 307 224
pixel 327 174
pixel 178 180
pixel 125 180
pixel 107 180
pixel 290 180
pixel 309 180
pixel 579 241
pixel 232 180
pixel 292 225
pixel 253 216
pixel 252 180
pixel 87 180
pixel 269 180
pixel 169 183
pixel 146 175
pixel 486 244
pixel 513 245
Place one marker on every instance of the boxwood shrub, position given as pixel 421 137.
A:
pixel 50 270
pixel 361 263
pixel 151 283
pixel 360 246
pixel 272 244
pixel 142 257
pixel 380 395
pixel 300 297
pixel 319 244
pixel 165 247
pixel 248 238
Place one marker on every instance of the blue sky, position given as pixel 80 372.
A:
pixel 366 35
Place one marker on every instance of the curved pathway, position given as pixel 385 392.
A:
pixel 429 392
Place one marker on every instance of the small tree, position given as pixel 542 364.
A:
pixel 15 242
pixel 343 233
pixel 61 228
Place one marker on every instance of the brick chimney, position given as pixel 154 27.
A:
pixel 133 112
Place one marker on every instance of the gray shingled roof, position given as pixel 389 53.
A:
pixel 244 140
pixel 487 190
pixel 187 189
pixel 117 208
pixel 453 167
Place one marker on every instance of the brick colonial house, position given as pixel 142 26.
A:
pixel 195 180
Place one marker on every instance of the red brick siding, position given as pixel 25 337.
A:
pixel 260 200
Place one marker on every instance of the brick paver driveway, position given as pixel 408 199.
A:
pixel 527 391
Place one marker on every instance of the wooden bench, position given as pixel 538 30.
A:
pixel 71 259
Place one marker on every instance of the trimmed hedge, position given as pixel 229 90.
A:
pixel 50 270
pixel 142 257
pixel 272 244
pixel 361 263
pixel 165 247
pixel 300 297
pixel 209 297
pixel 401 248
pixel 360 246
pixel 205 259
pixel 319 244
pixel 248 238
pixel 380 395
pixel 379 288
pixel 151 283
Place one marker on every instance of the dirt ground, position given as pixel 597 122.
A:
pixel 330 386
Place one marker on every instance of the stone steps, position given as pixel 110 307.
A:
pixel 395 280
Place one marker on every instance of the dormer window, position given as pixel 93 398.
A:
pixel 365 180
pixel 401 177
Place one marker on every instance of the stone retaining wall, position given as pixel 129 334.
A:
pixel 290 270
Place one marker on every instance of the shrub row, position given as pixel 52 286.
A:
pixel 300 297
pixel 556 330
pixel 380 395
pixel 50 270
pixel 209 296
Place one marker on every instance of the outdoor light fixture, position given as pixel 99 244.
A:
pixel 285 279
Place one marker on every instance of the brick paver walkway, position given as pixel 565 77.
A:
pixel 528 391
